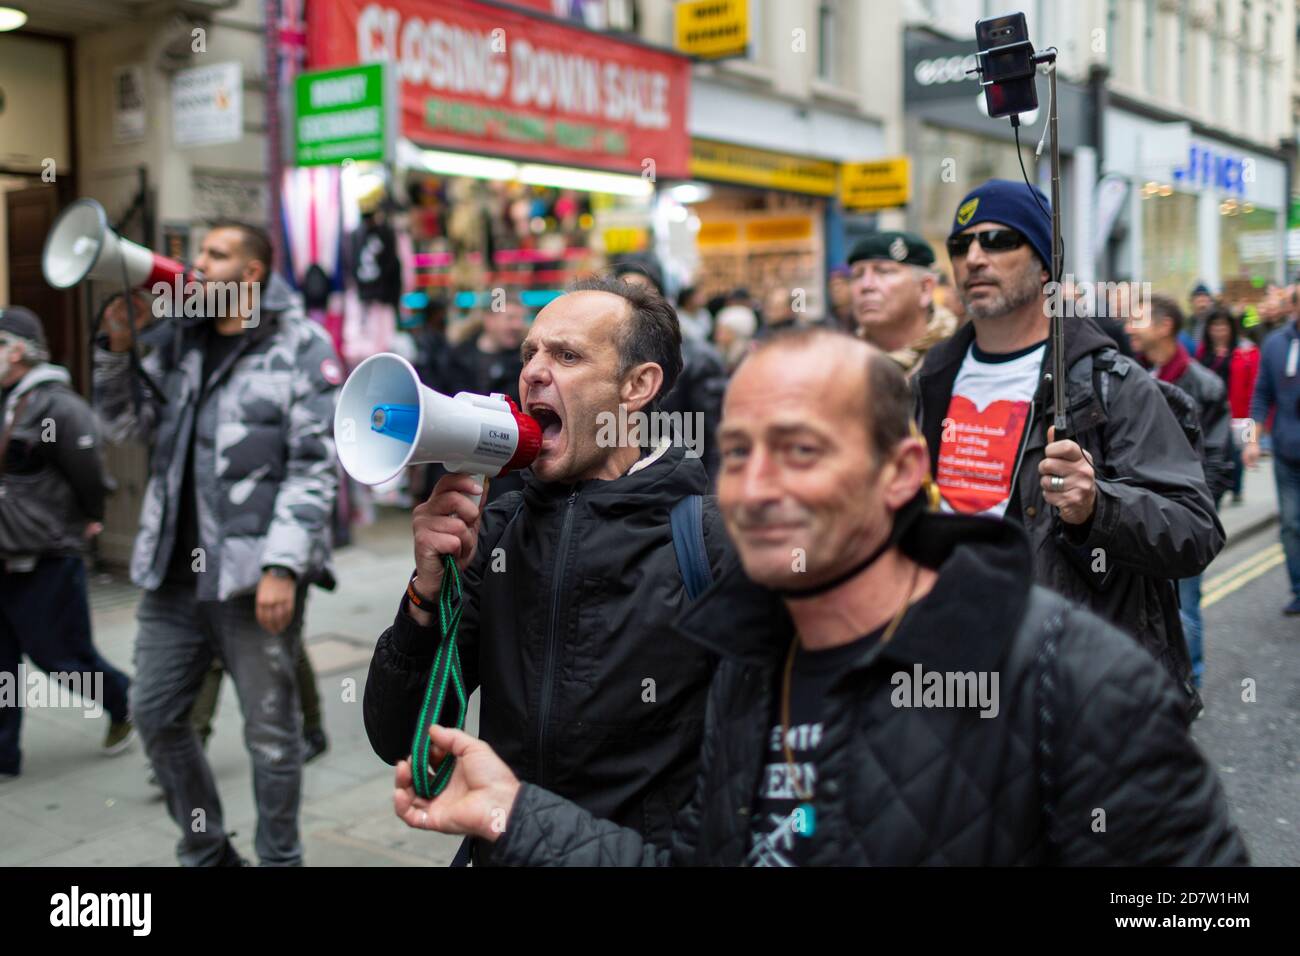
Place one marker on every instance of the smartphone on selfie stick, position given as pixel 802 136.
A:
pixel 1007 65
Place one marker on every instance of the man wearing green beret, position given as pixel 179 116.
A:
pixel 892 285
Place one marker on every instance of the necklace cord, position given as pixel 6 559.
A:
pixel 789 670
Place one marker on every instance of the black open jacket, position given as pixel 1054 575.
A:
pixel 584 685
pixel 1209 393
pixel 932 786
pixel 1154 520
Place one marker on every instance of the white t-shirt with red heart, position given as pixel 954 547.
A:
pixel 983 428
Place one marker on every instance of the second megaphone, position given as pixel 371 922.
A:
pixel 387 419
pixel 81 245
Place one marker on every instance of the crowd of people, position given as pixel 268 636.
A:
pixel 888 616
pixel 900 502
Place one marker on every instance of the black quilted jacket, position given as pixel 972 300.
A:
pixel 935 786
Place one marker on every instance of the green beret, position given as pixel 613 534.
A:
pixel 896 246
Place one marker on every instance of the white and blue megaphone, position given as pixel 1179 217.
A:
pixel 387 419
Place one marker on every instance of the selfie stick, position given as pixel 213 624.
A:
pixel 1060 423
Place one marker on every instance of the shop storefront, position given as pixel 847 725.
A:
pixel 756 214
pixel 759 219
pixel 528 150
pixel 1199 209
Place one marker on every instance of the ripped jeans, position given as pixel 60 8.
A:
pixel 177 638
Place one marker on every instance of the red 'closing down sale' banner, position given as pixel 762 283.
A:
pixel 494 80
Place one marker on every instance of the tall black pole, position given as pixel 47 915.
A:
pixel 1060 423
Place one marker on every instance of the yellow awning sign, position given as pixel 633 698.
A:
pixel 726 163
pixel 779 229
pixel 711 29
pixel 624 239
pixel 718 234
pixel 879 184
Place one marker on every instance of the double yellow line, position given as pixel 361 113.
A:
pixel 1221 585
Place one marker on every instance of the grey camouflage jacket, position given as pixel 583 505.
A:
pixel 264 463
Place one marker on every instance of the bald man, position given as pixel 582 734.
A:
pixel 881 674
pixel 571 583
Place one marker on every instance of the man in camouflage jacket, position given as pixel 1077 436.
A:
pixel 237 410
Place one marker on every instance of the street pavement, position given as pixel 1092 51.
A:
pixel 1251 726
pixel 72 807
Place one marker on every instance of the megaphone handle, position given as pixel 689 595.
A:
pixel 482 482
pixel 155 392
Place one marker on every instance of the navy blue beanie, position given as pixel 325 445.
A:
pixel 1011 204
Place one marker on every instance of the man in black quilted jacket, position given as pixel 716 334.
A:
pixel 893 689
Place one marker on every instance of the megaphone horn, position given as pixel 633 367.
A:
pixel 81 245
pixel 387 418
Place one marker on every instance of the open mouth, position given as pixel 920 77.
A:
pixel 551 422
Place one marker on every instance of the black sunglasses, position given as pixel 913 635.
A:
pixel 993 240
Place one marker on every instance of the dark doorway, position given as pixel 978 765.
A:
pixel 29 215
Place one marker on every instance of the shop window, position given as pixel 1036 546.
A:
pixel 1248 242
pixel 764 243
pixel 1169 240
pixel 830 25
pixel 473 235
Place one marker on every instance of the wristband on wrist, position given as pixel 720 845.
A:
pixel 416 598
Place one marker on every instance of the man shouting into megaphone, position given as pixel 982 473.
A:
pixel 571 584
pixel 235 525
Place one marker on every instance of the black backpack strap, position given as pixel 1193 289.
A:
pixel 687 520
pixel 1102 362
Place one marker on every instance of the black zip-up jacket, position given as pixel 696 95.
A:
pixel 1209 393
pixel 52 481
pixel 584 686
pixel 901 786
pixel 1154 520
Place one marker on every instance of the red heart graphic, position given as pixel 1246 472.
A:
pixel 978 453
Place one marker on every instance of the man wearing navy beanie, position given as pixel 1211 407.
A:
pixel 1120 509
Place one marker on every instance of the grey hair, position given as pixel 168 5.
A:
pixel 33 352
